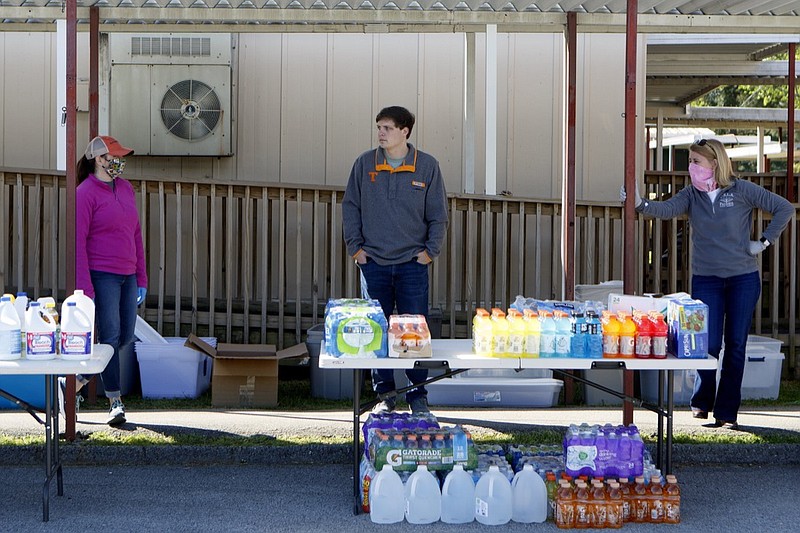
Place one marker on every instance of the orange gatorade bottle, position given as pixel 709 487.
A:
pixel 640 503
pixel 615 506
pixel 627 335
pixel 565 505
pixel 656 500
pixel 610 335
pixel 672 501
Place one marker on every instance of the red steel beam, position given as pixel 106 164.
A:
pixel 791 191
pixel 71 161
pixel 628 262
pixel 94 80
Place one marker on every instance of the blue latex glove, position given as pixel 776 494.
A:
pixel 141 292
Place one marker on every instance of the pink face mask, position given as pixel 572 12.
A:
pixel 702 178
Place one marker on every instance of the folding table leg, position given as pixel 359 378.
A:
pixel 356 440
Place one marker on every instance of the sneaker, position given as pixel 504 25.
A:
pixel 419 406
pixel 116 415
pixel 384 406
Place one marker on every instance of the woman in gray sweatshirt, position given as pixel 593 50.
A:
pixel 725 273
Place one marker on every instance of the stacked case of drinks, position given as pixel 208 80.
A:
pixel 608 503
pixel 409 336
pixel 34 330
pixel 355 328
pixel 608 450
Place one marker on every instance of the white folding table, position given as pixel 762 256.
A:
pixel 453 356
pixel 52 369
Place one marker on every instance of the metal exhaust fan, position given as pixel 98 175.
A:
pixel 190 110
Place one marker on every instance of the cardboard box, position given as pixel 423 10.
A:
pixel 629 303
pixel 245 375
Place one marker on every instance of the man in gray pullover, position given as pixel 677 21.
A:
pixel 394 215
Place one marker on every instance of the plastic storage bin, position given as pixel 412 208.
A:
pixel 683 386
pixel 173 370
pixel 762 372
pixel 495 392
pixel 326 383
pixel 27 388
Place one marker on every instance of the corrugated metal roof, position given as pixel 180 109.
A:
pixel 655 7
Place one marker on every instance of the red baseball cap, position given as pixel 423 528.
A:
pixel 103 145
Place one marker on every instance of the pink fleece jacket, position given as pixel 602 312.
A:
pixel 108 236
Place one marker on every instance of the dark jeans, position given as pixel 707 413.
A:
pixel 731 302
pixel 115 320
pixel 404 286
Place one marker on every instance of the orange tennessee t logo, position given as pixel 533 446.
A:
pixel 372 176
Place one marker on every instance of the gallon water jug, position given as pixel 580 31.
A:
pixel 10 345
pixel 458 497
pixel 386 497
pixel 21 305
pixel 529 497
pixel 493 498
pixel 76 333
pixel 40 332
pixel 423 499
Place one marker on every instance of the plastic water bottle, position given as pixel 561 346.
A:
pixel 386 497
pixel 594 336
pixel 563 333
pixel 547 335
pixel 458 497
pixel 578 339
pixel 532 331
pixel 529 497
pixel 493 498
pixel 40 334
pixel 76 333
pixel 423 499
pixel 10 345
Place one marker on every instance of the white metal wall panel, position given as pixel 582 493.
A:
pixel 258 92
pixel 129 108
pixel 303 98
pixel 351 113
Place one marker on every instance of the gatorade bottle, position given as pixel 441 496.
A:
pixel 578 339
pixel 499 333
pixel 627 335
pixel 386 497
pixel 533 330
pixel 482 333
pixel 10 328
pixel 563 333
pixel 625 490
pixel 552 487
pixel 40 334
pixel 565 506
pixel 547 335
pixel 582 511
pixel 640 503
pixel 423 499
pixel 672 501
pixel 599 505
pixel 660 331
pixel 593 339
pixel 458 497
pixel 517 332
pixel 611 327
pixel 614 511
pixel 656 494
pixel 644 335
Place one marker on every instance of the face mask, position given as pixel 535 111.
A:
pixel 115 167
pixel 702 178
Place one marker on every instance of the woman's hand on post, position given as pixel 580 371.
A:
pixel 624 196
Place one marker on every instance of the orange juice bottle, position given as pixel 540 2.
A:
pixel 627 335
pixel 611 328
